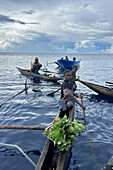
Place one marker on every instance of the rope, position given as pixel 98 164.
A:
pixel 21 152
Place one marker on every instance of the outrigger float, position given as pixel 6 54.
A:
pixel 51 158
pixel 27 72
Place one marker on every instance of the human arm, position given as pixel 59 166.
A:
pixel 32 64
pixel 39 66
pixel 80 96
pixel 75 100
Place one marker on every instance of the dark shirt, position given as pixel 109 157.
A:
pixel 36 67
pixel 66 87
pixel 73 78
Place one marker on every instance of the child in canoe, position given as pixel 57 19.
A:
pixel 68 96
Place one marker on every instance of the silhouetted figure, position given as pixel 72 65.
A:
pixel 74 58
pixel 66 58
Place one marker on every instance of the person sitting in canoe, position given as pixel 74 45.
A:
pixel 73 76
pixel 74 58
pixel 66 58
pixel 35 67
pixel 67 95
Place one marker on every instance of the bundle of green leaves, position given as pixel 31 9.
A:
pixel 64 132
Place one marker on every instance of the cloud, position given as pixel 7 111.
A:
pixel 28 12
pixel 4 18
pixel 65 26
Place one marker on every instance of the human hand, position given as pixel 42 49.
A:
pixel 79 80
pixel 83 107
pixel 80 96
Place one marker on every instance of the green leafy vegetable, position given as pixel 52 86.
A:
pixel 64 132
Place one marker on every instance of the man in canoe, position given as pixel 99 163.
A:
pixel 35 67
pixel 68 96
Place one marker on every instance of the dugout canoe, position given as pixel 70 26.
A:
pixel 45 161
pixel 109 165
pixel 27 72
pixel 106 91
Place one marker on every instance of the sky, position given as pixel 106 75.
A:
pixel 56 26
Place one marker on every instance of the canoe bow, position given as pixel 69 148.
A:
pixel 99 89
pixel 45 160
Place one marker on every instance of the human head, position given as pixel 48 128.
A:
pixel 67 74
pixel 36 59
pixel 74 58
pixel 74 68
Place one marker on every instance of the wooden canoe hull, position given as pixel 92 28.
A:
pixel 99 89
pixel 44 162
pixel 38 76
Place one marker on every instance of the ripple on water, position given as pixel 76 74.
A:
pixel 36 108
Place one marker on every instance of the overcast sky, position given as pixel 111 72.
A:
pixel 67 26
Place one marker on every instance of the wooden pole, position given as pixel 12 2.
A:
pixel 24 127
pixel 25 89
pixel 47 71
pixel 52 85
pixel 109 82
pixel 84 114
pixel 13 96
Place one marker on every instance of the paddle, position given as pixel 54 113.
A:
pixel 91 148
pixel 25 89
pixel 50 94
pixel 24 127
pixel 84 113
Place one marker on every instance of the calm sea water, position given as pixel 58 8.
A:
pixel 36 109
